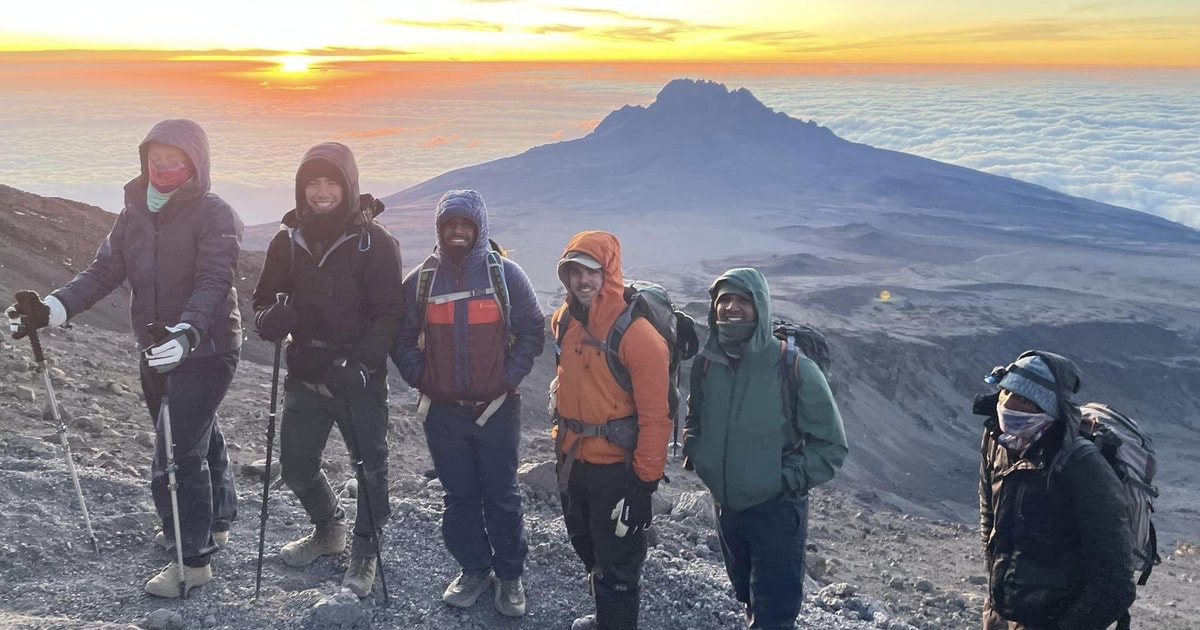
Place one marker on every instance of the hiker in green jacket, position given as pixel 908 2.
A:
pixel 758 462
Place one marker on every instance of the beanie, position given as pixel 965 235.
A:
pixel 1030 388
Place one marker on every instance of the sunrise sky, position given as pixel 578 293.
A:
pixel 1119 33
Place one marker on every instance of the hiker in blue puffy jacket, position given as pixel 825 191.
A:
pixel 1055 531
pixel 471 333
pixel 177 245
pixel 758 453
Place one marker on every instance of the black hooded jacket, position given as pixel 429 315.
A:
pixel 1054 529
pixel 347 292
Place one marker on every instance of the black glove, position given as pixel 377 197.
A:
pixel 171 347
pixel 346 378
pixel 632 513
pixel 275 322
pixel 26 314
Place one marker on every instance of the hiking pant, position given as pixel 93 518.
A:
pixel 483 525
pixel 308 417
pixel 205 491
pixel 614 564
pixel 763 547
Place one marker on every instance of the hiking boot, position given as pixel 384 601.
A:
pixel 166 583
pixel 467 587
pixel 587 622
pixel 510 597
pixel 360 575
pixel 220 539
pixel 325 539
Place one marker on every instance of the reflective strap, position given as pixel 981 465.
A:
pixel 461 295
pixel 491 409
pixel 422 407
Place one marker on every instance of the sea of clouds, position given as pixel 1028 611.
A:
pixel 1125 137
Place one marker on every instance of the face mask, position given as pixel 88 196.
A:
pixel 169 176
pixel 732 336
pixel 1020 429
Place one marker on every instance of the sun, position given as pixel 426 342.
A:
pixel 295 63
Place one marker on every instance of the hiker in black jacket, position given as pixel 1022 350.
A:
pixel 342 272
pixel 176 245
pixel 1055 531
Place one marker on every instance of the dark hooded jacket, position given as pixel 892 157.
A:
pixel 467 354
pixel 346 292
pixel 738 434
pixel 179 262
pixel 1054 529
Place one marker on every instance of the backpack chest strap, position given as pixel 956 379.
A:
pixel 460 295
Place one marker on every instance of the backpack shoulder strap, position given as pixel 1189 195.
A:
pixel 495 267
pixel 561 332
pixel 425 284
pixel 789 376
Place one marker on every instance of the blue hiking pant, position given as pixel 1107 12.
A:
pixel 206 494
pixel 763 547
pixel 483 525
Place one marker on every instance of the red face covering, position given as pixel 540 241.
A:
pixel 169 176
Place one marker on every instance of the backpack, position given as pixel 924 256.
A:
pixel 799 339
pixel 498 290
pixel 1129 452
pixel 650 301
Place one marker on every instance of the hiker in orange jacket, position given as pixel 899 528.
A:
pixel 606 489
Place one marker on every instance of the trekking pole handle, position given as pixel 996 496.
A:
pixel 27 301
pixel 157 330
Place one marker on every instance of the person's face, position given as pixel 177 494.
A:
pixel 323 194
pixel 584 283
pixel 458 233
pixel 732 307
pixel 165 157
pixel 1017 402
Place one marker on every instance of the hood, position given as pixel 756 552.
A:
pixel 191 139
pixel 468 204
pixel 606 249
pixel 339 156
pixel 751 281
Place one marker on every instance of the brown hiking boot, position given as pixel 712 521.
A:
pixel 360 575
pixel 510 597
pixel 325 539
pixel 166 583
pixel 467 587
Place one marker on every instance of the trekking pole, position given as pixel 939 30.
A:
pixel 29 300
pixel 361 473
pixel 158 331
pixel 280 298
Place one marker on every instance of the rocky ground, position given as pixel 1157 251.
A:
pixel 869 566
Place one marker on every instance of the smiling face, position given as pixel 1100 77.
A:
pixel 323 194
pixel 584 283
pixel 732 307
pixel 458 234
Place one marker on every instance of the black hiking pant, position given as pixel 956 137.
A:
pixel 763 547
pixel 206 494
pixel 483 524
pixel 614 563
pixel 308 418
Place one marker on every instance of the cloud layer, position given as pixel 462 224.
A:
pixel 1126 137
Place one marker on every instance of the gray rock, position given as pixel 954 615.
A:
pixel 163 619
pixel 256 468
pixel 540 479
pixel 25 447
pixel 925 586
pixel 696 505
pixel 342 611
pixel 25 393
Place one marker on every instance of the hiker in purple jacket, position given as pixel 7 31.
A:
pixel 177 245
pixel 472 330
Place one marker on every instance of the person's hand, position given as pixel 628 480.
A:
pixel 633 512
pixel 275 322
pixel 31 312
pixel 346 378
pixel 172 346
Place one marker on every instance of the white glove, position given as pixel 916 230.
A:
pixel 172 349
